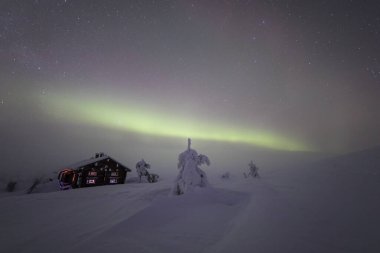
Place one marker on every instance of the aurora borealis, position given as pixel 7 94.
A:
pixel 271 75
pixel 136 119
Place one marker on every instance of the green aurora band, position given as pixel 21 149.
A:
pixel 129 117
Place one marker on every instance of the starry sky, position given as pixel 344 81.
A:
pixel 136 78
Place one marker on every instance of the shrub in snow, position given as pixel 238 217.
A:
pixel 142 171
pixel 36 182
pixel 190 175
pixel 252 170
pixel 226 175
pixel 11 186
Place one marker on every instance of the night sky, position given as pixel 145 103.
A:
pixel 136 78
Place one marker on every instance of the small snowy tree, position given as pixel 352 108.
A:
pixel 225 175
pixel 11 186
pixel 142 168
pixel 142 171
pixel 190 175
pixel 36 182
pixel 252 170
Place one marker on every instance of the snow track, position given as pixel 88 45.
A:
pixel 40 222
pixel 191 223
pixel 137 217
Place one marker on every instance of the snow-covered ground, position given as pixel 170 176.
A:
pixel 327 206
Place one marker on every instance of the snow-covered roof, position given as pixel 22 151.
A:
pixel 87 162
pixel 94 160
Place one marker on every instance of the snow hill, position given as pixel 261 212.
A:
pixel 327 206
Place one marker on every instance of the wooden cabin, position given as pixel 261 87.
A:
pixel 99 170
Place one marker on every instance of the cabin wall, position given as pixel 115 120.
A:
pixel 98 173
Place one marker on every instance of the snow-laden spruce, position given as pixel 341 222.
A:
pixel 252 170
pixel 142 168
pixel 190 175
pixel 142 171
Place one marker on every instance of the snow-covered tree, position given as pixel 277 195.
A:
pixel 142 171
pixel 142 168
pixel 252 170
pixel 190 175
pixel 11 186
pixel 225 175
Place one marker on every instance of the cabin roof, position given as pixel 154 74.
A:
pixel 94 160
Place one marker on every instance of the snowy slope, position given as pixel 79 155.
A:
pixel 328 206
